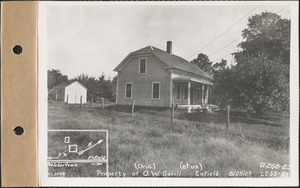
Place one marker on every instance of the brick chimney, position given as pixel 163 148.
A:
pixel 169 47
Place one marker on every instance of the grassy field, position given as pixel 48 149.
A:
pixel 149 137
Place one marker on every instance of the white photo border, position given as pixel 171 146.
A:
pixel 44 180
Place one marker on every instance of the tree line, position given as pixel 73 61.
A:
pixel 258 80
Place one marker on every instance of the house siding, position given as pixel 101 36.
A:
pixel 60 96
pixel 74 92
pixel 142 83
pixel 54 94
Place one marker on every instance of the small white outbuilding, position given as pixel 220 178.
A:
pixel 70 92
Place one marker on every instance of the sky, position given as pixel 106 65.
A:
pixel 92 39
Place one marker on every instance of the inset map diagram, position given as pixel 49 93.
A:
pixel 71 150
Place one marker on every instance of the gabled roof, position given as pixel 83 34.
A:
pixel 173 61
pixel 66 84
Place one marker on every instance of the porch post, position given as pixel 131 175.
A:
pixel 206 95
pixel 202 96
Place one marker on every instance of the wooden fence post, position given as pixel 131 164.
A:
pixel 228 117
pixel 67 99
pixel 132 108
pixel 56 97
pixel 172 110
pixel 80 101
pixel 114 110
pixel 92 102
pixel 102 103
pixel 242 134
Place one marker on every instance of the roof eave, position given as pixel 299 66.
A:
pixel 120 65
pixel 78 83
pixel 209 77
pixel 124 61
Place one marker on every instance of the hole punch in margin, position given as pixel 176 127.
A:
pixel 19 130
pixel 17 49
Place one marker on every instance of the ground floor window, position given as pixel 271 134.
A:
pixel 185 92
pixel 155 90
pixel 128 90
pixel 198 94
pixel 178 90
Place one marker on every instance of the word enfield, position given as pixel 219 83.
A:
pixel 96 157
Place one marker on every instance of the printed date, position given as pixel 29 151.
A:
pixel 241 173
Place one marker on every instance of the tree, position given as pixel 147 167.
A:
pixel 106 89
pixel 262 84
pixel 223 91
pixel 268 35
pixel 100 87
pixel 259 81
pixel 219 66
pixel 262 67
pixel 203 62
pixel 55 77
pixel 90 83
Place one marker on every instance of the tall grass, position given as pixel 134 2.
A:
pixel 151 138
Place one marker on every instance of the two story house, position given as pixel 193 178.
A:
pixel 156 78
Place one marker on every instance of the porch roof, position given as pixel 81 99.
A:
pixel 186 79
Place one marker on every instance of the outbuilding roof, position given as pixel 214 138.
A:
pixel 173 61
pixel 66 84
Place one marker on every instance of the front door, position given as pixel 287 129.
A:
pixel 192 95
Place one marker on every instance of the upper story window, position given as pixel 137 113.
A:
pixel 143 66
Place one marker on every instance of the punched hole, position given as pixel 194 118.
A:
pixel 17 49
pixel 19 130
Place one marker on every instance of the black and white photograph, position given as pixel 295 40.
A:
pixel 168 93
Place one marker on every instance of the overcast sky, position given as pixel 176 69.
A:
pixel 95 39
